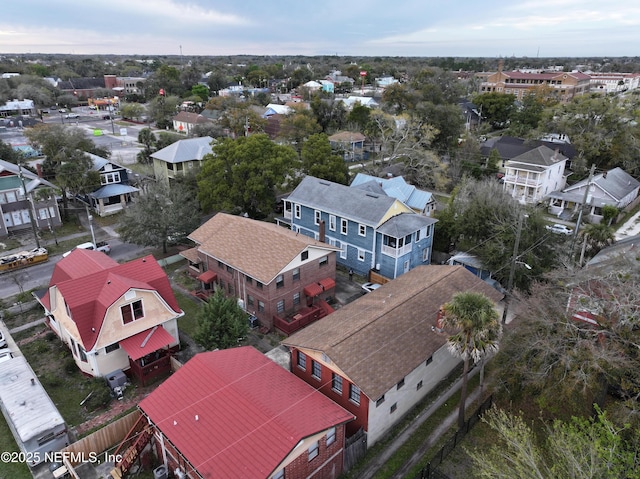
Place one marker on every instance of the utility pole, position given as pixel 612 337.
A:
pixel 512 271
pixel 30 203
pixel 585 200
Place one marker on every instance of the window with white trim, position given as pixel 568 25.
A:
pixel 111 348
pixel 361 254
pixel 343 250
pixel 110 178
pixel 296 210
pixel 302 360
pixel 336 383
pixel 132 311
pixel 354 393
pixel 331 436
pixel 279 474
pixel 280 306
pixel 426 254
pixel 314 450
pixel 317 216
pixel 344 226
pixel 332 222
pixel 362 229
pixel 316 369
pixel 296 298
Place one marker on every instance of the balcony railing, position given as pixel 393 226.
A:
pixel 522 180
pixel 303 317
pixel 396 252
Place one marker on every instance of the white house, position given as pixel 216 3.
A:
pixel 533 175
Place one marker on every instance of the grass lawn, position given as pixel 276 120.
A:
pixel 53 364
pixel 11 470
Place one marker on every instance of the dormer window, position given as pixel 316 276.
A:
pixel 132 311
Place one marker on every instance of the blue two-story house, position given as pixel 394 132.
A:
pixel 372 230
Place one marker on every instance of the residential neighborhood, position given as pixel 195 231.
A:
pixel 278 268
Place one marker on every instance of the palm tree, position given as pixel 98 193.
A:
pixel 477 324
pixel 596 237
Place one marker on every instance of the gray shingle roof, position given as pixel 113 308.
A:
pixel 185 150
pixel 352 203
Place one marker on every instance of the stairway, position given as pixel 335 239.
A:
pixel 132 453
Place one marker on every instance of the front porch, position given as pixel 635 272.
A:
pixel 149 353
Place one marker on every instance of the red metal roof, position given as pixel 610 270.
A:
pixel 207 276
pixel 90 282
pixel 235 413
pixel 327 283
pixel 312 290
pixel 146 342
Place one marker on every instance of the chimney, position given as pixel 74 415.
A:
pixel 439 320
pixel 321 232
pixel 33 382
pixel 500 65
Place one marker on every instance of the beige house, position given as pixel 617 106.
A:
pixel 562 86
pixel 113 316
pixel 180 158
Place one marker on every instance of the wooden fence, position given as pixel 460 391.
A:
pixel 104 438
pixel 354 449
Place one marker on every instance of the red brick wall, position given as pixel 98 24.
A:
pixel 324 386
pixel 310 272
pixel 326 465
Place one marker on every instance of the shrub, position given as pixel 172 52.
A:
pixel 69 365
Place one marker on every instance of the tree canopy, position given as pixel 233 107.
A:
pixel 242 175
pixel 160 214
pixel 319 161
pixel 221 323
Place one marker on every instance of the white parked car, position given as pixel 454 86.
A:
pixel 368 287
pixel 560 229
pixel 3 342
pixel 72 115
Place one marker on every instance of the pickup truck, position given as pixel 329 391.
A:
pixel 100 246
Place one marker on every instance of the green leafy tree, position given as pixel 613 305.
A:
pixel 593 448
pixel 243 174
pixel 201 91
pixel 159 214
pixel 330 115
pixel 399 98
pixel 7 153
pixel 221 323
pixel 477 328
pixel 296 127
pixel 162 109
pixel 240 119
pixel 319 161
pixel 134 111
pixel 496 107
pixel 147 138
pixel 359 116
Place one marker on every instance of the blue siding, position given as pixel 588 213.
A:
pixel 389 266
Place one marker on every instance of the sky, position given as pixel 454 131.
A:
pixel 419 28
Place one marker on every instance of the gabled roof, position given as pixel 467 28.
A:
pixel 258 249
pixel 395 187
pixel 235 413
pixel 537 159
pixel 617 184
pixel 347 137
pixel 190 117
pixel 90 282
pixel 364 337
pixel 32 181
pixel 185 150
pixel 509 147
pixel 352 203
pixel 404 224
